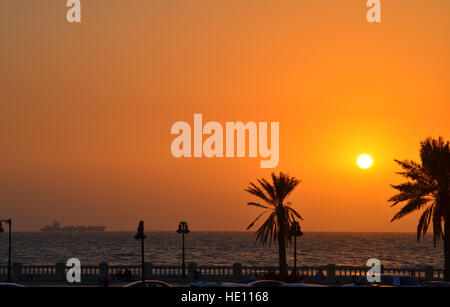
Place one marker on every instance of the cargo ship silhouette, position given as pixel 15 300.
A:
pixel 56 228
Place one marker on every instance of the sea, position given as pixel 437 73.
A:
pixel 220 248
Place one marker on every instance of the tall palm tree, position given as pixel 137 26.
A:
pixel 428 188
pixel 281 215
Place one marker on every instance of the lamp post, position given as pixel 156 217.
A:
pixel 183 229
pixel 295 231
pixel 141 237
pixel 9 222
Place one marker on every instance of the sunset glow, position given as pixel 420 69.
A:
pixel 86 109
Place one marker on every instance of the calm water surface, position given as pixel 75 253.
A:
pixel 221 248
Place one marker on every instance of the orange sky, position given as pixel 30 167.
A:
pixel 86 109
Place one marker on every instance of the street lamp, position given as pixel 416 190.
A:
pixel 141 237
pixel 9 222
pixel 183 229
pixel 295 231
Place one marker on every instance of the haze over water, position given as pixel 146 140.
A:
pixel 221 248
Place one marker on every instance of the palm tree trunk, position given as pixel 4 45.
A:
pixel 282 254
pixel 447 251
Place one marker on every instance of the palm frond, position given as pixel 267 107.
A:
pixel 257 205
pixel 424 222
pixel 435 158
pixel 437 224
pixel 255 220
pixel 268 188
pixel 254 190
pixel 268 230
pixel 410 190
pixel 291 210
pixel 284 185
pixel 412 205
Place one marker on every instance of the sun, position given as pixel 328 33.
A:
pixel 365 161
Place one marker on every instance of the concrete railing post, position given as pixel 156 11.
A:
pixel 237 271
pixel 148 267
pixel 103 269
pixel 192 268
pixel 16 271
pixel 429 273
pixel 331 273
pixel 60 271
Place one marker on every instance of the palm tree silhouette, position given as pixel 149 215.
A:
pixel 428 188
pixel 281 215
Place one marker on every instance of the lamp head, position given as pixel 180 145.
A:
pixel 183 228
pixel 140 232
pixel 296 230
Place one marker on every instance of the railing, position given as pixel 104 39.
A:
pixel 332 274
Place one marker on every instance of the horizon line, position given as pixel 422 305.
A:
pixel 249 231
